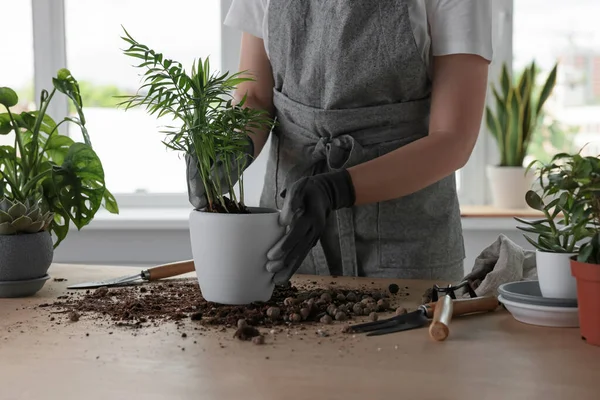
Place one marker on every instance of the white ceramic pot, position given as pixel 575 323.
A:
pixel 230 253
pixel 509 185
pixel 554 275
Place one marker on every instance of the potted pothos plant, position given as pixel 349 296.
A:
pixel 512 119
pixel 47 182
pixel 565 222
pixel 229 239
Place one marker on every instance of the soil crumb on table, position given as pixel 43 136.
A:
pixel 180 300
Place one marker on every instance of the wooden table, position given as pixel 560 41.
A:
pixel 489 356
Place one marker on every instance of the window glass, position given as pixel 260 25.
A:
pixel 129 143
pixel 16 67
pixel 551 31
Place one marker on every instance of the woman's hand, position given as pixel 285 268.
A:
pixel 308 203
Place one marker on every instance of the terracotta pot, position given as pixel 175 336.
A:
pixel 588 299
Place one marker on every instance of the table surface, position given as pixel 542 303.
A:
pixel 486 356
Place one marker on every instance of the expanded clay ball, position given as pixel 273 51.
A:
pixel 241 323
pixel 295 317
pixel 304 313
pixel 326 319
pixel 357 309
pixel 393 288
pixel 326 297
pixel 341 316
pixel 289 301
pixel 383 304
pixel 260 339
pixel 332 310
pixel 351 297
pixel 341 297
pixel 73 316
pixel 367 300
pixel 373 316
pixel 273 312
pixel 400 311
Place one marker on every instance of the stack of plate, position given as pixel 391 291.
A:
pixel 525 302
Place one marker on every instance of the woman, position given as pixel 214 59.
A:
pixel 378 104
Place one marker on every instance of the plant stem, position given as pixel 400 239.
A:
pixel 38 124
pixel 14 188
pixel 19 142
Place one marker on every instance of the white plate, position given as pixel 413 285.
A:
pixel 559 317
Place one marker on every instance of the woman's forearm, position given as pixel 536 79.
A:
pixel 409 168
pixel 457 103
pixel 259 91
pixel 259 136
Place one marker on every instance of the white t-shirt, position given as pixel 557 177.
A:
pixel 440 27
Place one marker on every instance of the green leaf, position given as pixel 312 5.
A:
pixel 5 217
pixel 585 253
pixel 5 124
pixel 7 229
pixel 17 210
pixel 534 200
pixel 8 97
pixel 110 203
pixel 57 148
pixel 79 184
pixel 547 89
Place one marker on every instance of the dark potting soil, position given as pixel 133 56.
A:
pixel 231 207
pixel 153 303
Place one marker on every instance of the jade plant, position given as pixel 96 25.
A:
pixel 570 202
pixel 46 173
pixel 518 112
pixel 213 127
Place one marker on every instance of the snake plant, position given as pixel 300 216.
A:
pixel 518 111
pixel 18 217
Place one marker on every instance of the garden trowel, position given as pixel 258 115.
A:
pixel 150 274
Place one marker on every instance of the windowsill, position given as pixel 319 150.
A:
pixel 143 218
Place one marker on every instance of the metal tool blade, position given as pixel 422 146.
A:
pixel 416 321
pixel 123 280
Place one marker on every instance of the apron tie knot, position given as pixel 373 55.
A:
pixel 339 152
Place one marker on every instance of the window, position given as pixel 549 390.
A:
pixel 16 68
pixel 129 143
pixel 139 168
pixel 567 33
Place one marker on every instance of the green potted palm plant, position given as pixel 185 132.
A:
pixel 229 240
pixel 564 224
pixel 47 182
pixel 512 121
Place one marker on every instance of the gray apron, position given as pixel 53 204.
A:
pixel 350 86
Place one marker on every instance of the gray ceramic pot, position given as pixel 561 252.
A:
pixel 25 256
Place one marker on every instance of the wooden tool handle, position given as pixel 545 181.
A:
pixel 439 328
pixel 467 306
pixel 171 269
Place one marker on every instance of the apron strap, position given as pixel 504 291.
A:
pixel 345 219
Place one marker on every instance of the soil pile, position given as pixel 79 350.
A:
pixel 180 299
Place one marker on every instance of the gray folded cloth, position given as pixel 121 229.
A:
pixel 502 262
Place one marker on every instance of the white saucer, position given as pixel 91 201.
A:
pixel 558 317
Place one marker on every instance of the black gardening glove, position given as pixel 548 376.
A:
pixel 308 203
pixel 196 189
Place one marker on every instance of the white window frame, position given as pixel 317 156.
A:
pixel 50 55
